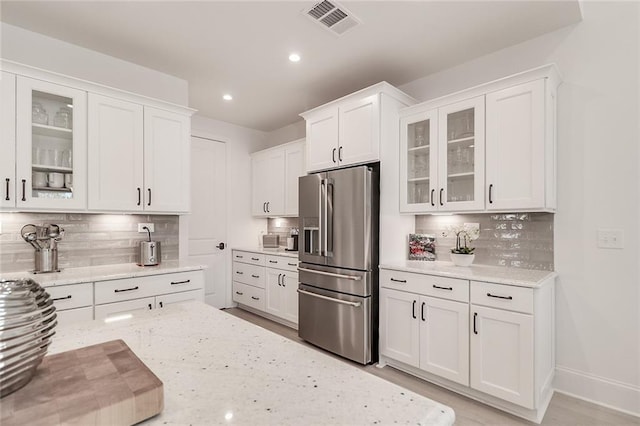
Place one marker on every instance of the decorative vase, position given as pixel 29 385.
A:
pixel 462 259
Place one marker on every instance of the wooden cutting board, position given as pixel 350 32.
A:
pixel 104 384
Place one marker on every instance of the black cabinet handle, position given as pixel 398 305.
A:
pixel 125 289
pixel 413 310
pixel 273 261
pixel 24 190
pixel 6 198
pixel 62 298
pixel 443 288
pixel 268 211
pixel 149 202
pixel 283 277
pixel 239 257
pixel 475 330
pixel 432 192
pixel 255 298
pixel 161 305
pixel 441 191
pixel 180 282
pixel 340 154
pixel 279 276
pixel 292 264
pixel 150 307
pixel 422 311
pixel 255 258
pixel 264 207
pixel 500 297
pixel 398 281
pixel 139 196
pixel 239 293
pixel 255 276
pixel 490 190
pixel 239 272
pixel 333 155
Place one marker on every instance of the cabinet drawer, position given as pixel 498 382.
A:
pixel 125 289
pixel 172 283
pixel 109 310
pixel 71 296
pixel 428 285
pixel 282 262
pixel 74 316
pixel 249 274
pixel 519 299
pixel 249 295
pixel 248 257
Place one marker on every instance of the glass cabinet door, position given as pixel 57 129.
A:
pixel 51 148
pixel 462 155
pixel 418 162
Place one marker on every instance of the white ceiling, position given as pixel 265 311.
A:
pixel 242 47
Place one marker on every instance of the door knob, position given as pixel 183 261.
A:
pixel 220 246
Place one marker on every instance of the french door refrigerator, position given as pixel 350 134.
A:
pixel 338 251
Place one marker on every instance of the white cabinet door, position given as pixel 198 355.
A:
pixel 259 184
pixel 399 326
pixel 290 296
pixel 51 165
pixel 359 131
pixel 275 296
pixel 419 162
pixel 322 139
pixel 515 151
pixel 268 180
pixel 294 168
pixel 461 156
pixel 115 154
pixel 502 354
pixel 8 139
pixel 166 161
pixel 184 296
pixel 444 339
pixel 74 316
pixel 111 311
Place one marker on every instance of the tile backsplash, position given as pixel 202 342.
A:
pixel 518 240
pixel 282 226
pixel 89 239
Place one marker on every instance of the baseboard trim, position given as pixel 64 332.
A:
pixel 598 390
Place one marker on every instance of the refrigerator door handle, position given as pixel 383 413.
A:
pixel 320 211
pixel 328 230
pixel 331 274
pixel 342 302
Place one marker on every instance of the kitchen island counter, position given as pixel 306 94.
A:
pixel 219 369
pixel 280 251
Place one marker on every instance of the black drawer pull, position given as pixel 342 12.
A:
pixel 273 261
pixel 422 311
pixel 398 281
pixel 292 264
pixel 475 330
pixel 6 198
pixel 239 293
pixel 442 288
pixel 62 298
pixel 255 276
pixel 125 289
pixel 413 310
pixel 255 298
pixel 180 282
pixel 239 257
pixel 500 297
pixel 255 258
pixel 239 272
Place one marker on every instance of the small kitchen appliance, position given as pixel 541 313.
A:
pixel 44 239
pixel 150 252
pixel 270 241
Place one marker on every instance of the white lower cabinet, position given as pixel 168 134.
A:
pixel 112 310
pixel 74 303
pixel 74 316
pixel 282 295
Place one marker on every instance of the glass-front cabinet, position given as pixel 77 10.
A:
pixel 51 145
pixel 442 158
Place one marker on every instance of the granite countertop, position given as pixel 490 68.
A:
pixel 104 273
pixel 232 371
pixel 495 274
pixel 280 251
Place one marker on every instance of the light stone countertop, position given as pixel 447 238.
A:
pixel 280 251
pixel 495 274
pixel 104 272
pixel 219 369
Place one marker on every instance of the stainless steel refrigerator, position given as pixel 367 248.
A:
pixel 338 251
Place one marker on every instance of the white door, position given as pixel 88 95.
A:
pixel 8 139
pixel 444 338
pixel 399 326
pixel 207 223
pixel 359 125
pixel 275 292
pixel 502 354
pixel 515 147
pixel 322 140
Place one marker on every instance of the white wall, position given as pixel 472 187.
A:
pixel 286 134
pixel 26 47
pixel 598 298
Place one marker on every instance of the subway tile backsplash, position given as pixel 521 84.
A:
pixel 90 239
pixel 518 240
pixel 282 227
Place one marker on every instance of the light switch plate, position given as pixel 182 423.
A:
pixel 148 225
pixel 610 238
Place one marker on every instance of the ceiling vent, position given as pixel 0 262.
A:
pixel 332 16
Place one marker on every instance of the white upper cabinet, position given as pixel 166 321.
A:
pixel 516 146
pixel 495 148
pixel 274 176
pixel 347 131
pixel 116 154
pixel 51 146
pixel 138 157
pixel 8 139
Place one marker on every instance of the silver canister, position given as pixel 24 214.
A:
pixel 46 260
pixel 150 253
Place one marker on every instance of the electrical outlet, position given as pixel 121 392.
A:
pixel 611 238
pixel 148 225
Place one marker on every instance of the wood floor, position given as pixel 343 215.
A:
pixel 563 410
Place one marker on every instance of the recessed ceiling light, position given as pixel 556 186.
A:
pixel 227 97
pixel 294 57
